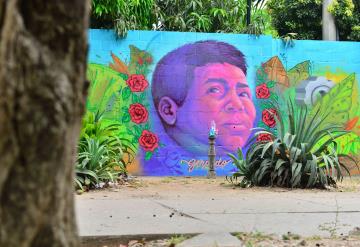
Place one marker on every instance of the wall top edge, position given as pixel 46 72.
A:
pixel 255 37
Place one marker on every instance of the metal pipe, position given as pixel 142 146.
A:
pixel 248 12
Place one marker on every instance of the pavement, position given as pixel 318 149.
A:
pixel 210 206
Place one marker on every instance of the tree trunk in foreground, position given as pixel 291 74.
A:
pixel 43 46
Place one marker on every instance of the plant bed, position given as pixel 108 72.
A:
pixel 301 152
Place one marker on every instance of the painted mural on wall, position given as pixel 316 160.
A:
pixel 166 104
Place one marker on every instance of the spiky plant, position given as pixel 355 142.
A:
pixel 100 152
pixel 301 153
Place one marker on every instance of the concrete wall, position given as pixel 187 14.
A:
pixel 204 82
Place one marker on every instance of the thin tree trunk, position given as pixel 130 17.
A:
pixel 43 47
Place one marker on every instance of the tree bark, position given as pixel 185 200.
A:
pixel 43 47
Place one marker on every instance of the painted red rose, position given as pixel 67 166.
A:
pixel 138 113
pixel 140 61
pixel 268 117
pixel 148 141
pixel 149 60
pixel 137 83
pixel 263 137
pixel 262 91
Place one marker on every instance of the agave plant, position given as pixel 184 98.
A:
pixel 100 152
pixel 301 153
pixel 107 134
pixel 96 162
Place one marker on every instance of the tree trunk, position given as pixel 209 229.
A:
pixel 43 47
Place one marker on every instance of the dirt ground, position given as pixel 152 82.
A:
pixel 153 186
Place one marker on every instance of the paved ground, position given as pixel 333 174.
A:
pixel 199 205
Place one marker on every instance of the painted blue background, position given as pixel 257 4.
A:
pixel 344 55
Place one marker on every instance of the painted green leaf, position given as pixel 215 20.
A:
pixel 125 93
pixel 138 130
pixel 266 105
pixel 123 76
pixel 147 126
pixel 299 73
pixel 262 125
pixel 337 102
pixel 270 84
pixel 148 155
pixel 135 98
pixel 104 82
pixel 124 109
pixel 126 118
pixel 135 139
pixel 142 97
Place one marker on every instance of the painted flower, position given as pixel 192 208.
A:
pixel 140 61
pixel 148 60
pixel 268 117
pixel 137 83
pixel 148 141
pixel 138 113
pixel 262 91
pixel 263 137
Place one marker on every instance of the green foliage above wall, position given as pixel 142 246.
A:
pixel 180 15
pixel 304 18
pixel 347 18
pixel 294 16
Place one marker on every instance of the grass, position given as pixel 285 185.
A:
pixel 290 236
pixel 251 238
pixel 177 239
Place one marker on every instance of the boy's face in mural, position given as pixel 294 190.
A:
pixel 221 93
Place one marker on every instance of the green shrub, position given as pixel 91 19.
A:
pixel 301 152
pixel 100 152
pixel 180 15
pixel 294 16
pixel 347 18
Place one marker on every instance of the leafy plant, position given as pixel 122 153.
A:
pixel 122 15
pixel 302 153
pixel 304 17
pixel 293 16
pixel 100 152
pixel 347 18
pixel 96 163
pixel 180 15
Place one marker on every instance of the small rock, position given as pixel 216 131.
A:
pixel 303 242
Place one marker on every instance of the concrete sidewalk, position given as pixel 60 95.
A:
pixel 195 205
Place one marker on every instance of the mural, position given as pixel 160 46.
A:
pixel 166 101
